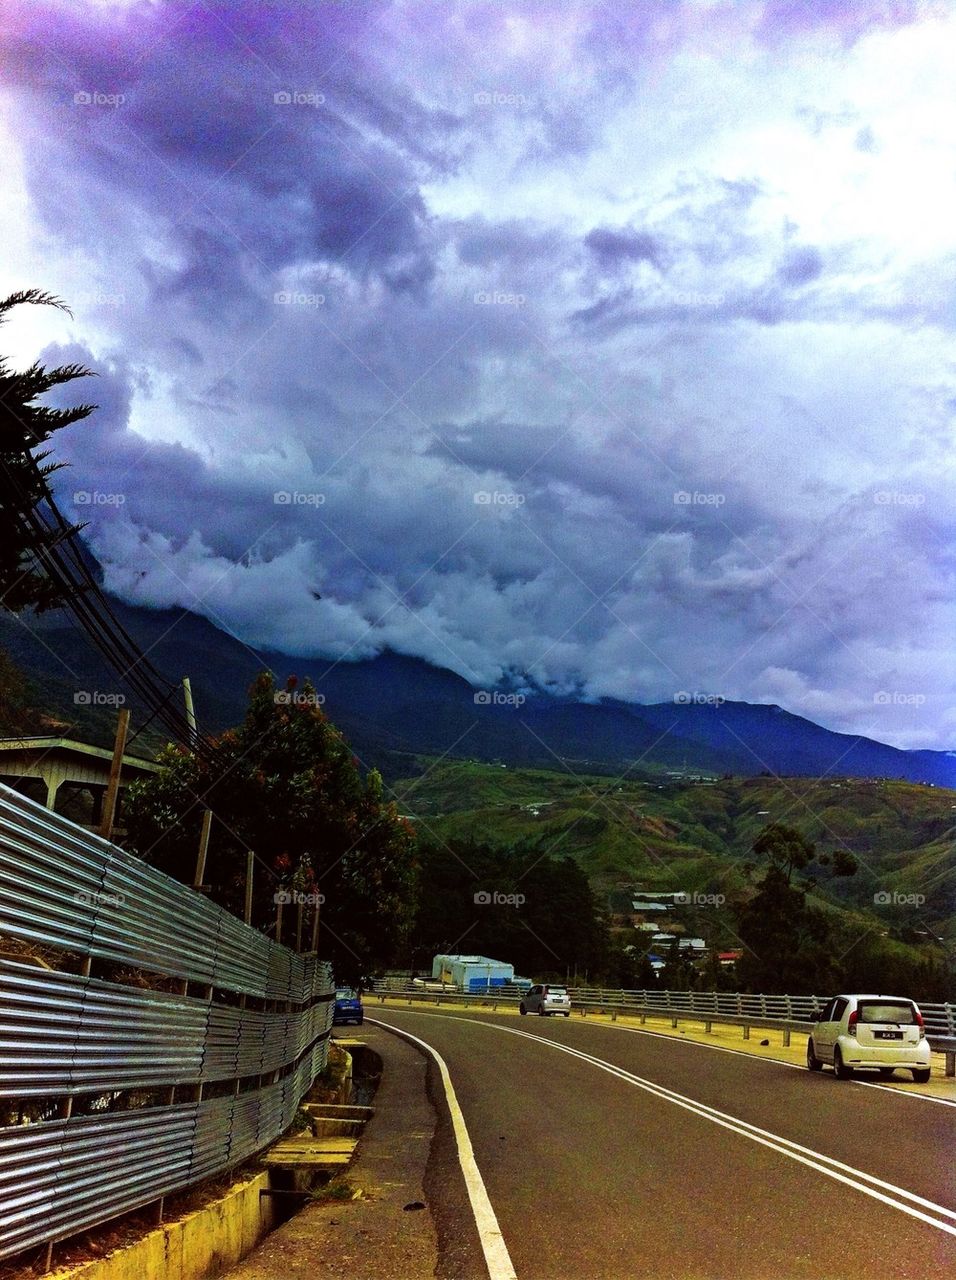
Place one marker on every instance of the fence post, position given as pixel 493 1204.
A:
pixel 116 766
pixel 203 849
pixel 250 868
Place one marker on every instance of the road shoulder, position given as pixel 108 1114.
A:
pixel 375 1235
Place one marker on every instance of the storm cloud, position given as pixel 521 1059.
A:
pixel 577 343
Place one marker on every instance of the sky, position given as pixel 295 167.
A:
pixel 603 348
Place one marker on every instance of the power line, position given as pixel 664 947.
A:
pixel 54 544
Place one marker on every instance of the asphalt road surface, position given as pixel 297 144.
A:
pixel 611 1154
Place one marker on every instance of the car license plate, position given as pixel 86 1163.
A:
pixel 889 1035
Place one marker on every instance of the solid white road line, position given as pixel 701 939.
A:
pixel 896 1090
pixel 497 1258
pixel 779 1062
pixel 886 1192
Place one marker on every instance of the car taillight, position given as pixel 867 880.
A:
pixel 919 1021
pixel 851 1023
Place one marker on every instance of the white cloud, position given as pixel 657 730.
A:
pixel 765 325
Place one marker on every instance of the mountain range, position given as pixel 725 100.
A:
pixel 395 709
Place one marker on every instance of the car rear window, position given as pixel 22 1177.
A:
pixel 345 993
pixel 557 991
pixel 887 1011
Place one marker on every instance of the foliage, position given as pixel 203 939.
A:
pixel 555 930
pixel 17 713
pixel 796 945
pixel 25 425
pixel 788 943
pixel 691 836
pixel 285 785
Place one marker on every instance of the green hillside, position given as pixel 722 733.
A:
pixel 696 835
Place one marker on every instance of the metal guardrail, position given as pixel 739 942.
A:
pixel 940 1019
pixel 781 1012
pixel 63 1035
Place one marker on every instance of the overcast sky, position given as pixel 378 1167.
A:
pixel 605 345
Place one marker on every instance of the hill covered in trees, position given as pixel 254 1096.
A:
pixel 894 913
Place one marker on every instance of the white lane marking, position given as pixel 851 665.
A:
pixel 497 1258
pixel 896 1090
pixel 836 1169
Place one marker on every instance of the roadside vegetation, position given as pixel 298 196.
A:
pixel 816 883
pixel 285 785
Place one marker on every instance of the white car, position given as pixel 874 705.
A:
pixel 545 999
pixel 870 1031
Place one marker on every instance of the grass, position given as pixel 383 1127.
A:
pixel 683 834
pixel 337 1191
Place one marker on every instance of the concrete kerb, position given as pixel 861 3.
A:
pixel 199 1244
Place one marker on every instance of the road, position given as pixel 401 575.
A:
pixel 637 1155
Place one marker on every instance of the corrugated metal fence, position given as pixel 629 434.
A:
pixel 83 1043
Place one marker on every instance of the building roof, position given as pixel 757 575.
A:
pixel 70 745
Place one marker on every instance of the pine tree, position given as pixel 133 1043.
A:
pixel 24 427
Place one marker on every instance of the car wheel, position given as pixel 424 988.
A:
pixel 568 1014
pixel 813 1062
pixel 522 1010
pixel 885 1073
pixel 921 1075
pixel 840 1069
pixel 543 1011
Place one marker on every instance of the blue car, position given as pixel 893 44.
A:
pixel 348 1007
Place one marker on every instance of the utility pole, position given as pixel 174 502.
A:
pixel 112 788
pixel 207 814
pixel 190 711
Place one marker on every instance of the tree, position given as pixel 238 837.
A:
pixel 24 426
pixel 17 714
pixel 514 904
pixel 285 785
pixel 789 944
pixel 678 972
pixel 785 849
pixel 841 862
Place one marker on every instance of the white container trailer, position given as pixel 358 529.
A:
pixel 472 973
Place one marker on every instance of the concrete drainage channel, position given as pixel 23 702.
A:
pixel 303 1164
pixel 294 1172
